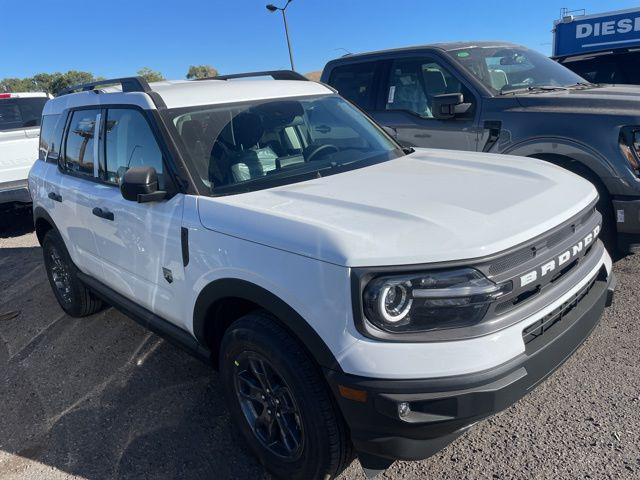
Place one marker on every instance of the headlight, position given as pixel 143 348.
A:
pixel 630 147
pixel 428 301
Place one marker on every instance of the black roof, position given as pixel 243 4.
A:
pixel 444 46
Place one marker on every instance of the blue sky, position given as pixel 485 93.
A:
pixel 117 37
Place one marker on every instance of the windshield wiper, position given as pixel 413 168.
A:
pixel 584 85
pixel 533 88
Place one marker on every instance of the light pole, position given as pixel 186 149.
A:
pixel 272 8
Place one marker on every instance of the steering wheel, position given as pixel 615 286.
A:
pixel 320 148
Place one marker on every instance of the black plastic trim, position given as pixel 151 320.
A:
pixel 241 289
pixel 275 74
pixel 167 330
pixel 442 408
pixel 128 84
pixel 184 243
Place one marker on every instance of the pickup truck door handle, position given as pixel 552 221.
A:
pixel 98 212
pixel 56 197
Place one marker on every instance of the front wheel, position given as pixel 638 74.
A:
pixel 281 403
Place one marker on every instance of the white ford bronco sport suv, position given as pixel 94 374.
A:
pixel 20 115
pixel 356 297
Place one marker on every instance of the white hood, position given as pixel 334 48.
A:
pixel 430 206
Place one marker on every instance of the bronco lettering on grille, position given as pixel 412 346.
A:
pixel 561 259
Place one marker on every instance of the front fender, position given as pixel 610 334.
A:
pixel 571 149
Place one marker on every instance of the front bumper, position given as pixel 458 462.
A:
pixel 15 191
pixel 627 215
pixel 441 409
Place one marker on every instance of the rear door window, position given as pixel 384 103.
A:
pixel 355 83
pixel 21 112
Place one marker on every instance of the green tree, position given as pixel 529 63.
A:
pixel 150 75
pixel 60 81
pixel 46 82
pixel 43 82
pixel 201 71
pixel 16 85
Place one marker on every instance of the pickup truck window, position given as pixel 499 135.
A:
pixel 355 83
pixel 504 68
pixel 21 112
pixel 611 68
pixel 129 143
pixel 413 84
pixel 79 144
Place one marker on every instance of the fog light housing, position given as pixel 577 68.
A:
pixel 404 409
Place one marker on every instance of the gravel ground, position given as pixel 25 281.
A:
pixel 100 398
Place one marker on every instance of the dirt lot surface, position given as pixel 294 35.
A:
pixel 101 398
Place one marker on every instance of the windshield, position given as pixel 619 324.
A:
pixel 504 69
pixel 21 112
pixel 265 143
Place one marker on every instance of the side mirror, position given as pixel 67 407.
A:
pixel 448 105
pixel 140 184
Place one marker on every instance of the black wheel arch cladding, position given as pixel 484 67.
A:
pixel 204 317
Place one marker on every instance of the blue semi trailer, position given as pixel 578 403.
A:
pixel 602 48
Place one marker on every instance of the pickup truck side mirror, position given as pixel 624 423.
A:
pixel 448 105
pixel 140 184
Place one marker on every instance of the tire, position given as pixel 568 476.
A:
pixel 609 234
pixel 257 343
pixel 72 295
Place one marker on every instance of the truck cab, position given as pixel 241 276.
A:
pixel 20 115
pixel 498 97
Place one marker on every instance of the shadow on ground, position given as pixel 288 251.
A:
pixel 14 223
pixel 100 397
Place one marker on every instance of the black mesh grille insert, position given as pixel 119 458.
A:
pixel 518 258
pixel 512 261
pixel 539 328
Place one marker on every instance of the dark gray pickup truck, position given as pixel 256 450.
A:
pixel 503 98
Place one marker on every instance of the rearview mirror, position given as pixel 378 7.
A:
pixel 140 184
pixel 448 105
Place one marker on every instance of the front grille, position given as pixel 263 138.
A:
pixel 542 326
pixel 529 252
pixel 532 292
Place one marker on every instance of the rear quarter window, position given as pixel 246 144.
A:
pixel 355 83
pixel 51 137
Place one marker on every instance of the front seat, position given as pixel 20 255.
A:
pixel 251 161
pixel 192 133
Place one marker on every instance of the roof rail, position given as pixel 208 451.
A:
pixel 128 84
pixel 275 74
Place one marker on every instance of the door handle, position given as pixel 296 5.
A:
pixel 98 212
pixel 56 197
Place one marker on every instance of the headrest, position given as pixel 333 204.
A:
pixel 191 130
pixel 248 129
pixel 434 82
